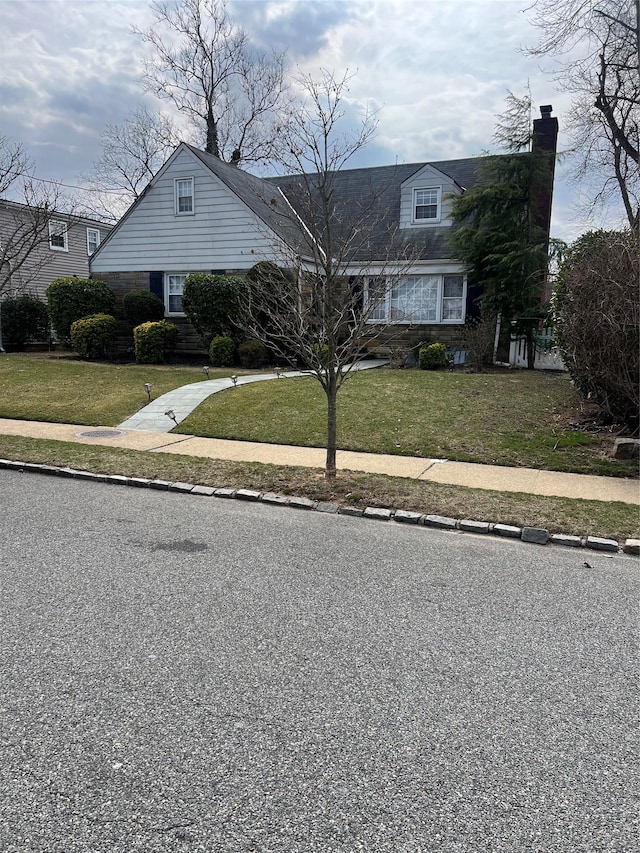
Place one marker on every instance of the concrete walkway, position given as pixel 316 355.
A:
pixel 182 401
pixel 471 475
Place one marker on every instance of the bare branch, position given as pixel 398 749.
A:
pixel 132 153
pixel 597 47
pixel 203 63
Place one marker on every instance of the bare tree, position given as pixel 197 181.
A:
pixel 205 65
pixel 29 209
pixel 596 44
pixel 132 153
pixel 318 312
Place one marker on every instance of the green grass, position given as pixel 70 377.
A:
pixel 62 390
pixel 560 515
pixel 506 418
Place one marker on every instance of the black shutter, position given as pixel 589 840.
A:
pixel 156 284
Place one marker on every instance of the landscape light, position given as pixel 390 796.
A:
pixel 234 379
pixel 278 371
pixel 205 370
pixel 171 414
pixel 147 388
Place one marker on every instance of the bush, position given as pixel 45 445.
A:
pixel 319 355
pixel 433 356
pixel 221 352
pixel 597 321
pixel 214 304
pixel 24 318
pixel 153 340
pixel 142 306
pixel 70 299
pixel 252 354
pixel 92 337
pixel 478 338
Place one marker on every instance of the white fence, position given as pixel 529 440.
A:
pixel 547 356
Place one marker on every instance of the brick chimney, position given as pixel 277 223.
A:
pixel 545 138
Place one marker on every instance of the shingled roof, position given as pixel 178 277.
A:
pixel 350 186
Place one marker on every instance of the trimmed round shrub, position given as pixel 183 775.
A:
pixel 70 299
pixel 152 341
pixel 221 352
pixel 142 306
pixel 24 318
pixel 319 355
pixel 214 304
pixel 93 337
pixel 433 356
pixel 252 354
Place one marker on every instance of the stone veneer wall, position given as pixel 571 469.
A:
pixel 389 338
pixel 407 337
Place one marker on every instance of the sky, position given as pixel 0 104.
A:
pixel 437 72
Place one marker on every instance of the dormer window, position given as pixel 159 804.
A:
pixel 426 204
pixel 184 196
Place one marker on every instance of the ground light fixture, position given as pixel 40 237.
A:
pixel 171 414
pixel 278 372
pixel 147 388
pixel 205 370
pixel 234 379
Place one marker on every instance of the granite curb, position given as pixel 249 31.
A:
pixel 532 535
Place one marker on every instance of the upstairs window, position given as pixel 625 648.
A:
pixel 58 236
pixel 184 196
pixel 426 205
pixel 93 240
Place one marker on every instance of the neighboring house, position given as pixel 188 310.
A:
pixel 199 214
pixel 38 245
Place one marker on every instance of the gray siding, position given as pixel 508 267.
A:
pixel 426 177
pixel 222 233
pixel 44 264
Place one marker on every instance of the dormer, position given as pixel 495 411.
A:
pixel 424 199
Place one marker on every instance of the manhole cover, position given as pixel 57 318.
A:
pixel 101 433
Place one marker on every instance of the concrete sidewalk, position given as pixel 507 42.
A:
pixel 491 477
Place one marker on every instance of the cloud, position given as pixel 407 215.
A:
pixel 437 71
pixel 302 28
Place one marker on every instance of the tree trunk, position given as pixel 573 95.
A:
pixel 531 348
pixel 213 145
pixel 331 390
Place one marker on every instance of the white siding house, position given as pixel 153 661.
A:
pixel 187 220
pixel 199 214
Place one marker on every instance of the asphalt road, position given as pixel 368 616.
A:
pixel 183 673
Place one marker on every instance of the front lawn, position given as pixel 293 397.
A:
pixel 521 418
pixel 507 418
pixel 38 387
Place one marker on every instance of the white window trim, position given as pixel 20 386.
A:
pixel 438 217
pixel 97 242
pixel 63 232
pixel 167 308
pixel 386 321
pixel 176 182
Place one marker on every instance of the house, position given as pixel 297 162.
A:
pixel 38 245
pixel 199 214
